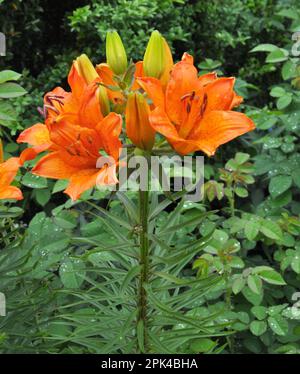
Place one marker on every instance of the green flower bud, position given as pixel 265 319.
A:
pixel 85 68
pixel 103 99
pixel 115 53
pixel 154 58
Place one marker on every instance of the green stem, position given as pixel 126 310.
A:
pixel 231 199
pixel 232 208
pixel 144 262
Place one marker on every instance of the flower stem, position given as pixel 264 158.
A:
pixel 144 262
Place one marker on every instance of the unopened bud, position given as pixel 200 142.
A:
pixel 103 99
pixel 115 53
pixel 138 127
pixel 154 58
pixel 85 68
pixel 165 76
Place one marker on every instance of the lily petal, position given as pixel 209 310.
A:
pixel 8 170
pixel 219 127
pixel 90 110
pixel 80 182
pixel 10 192
pixel 76 82
pixel 27 155
pixel 107 75
pixel 37 136
pixel 236 101
pixel 207 78
pixel 109 130
pixel 161 123
pixel 219 94
pixel 139 72
pixel 183 81
pixel 52 166
pixel 154 90
pixel 107 176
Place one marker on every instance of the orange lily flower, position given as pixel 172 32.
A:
pixel 81 106
pixel 194 113
pixel 74 132
pixel 8 171
pixel 75 153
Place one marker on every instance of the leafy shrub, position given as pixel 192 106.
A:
pixel 131 19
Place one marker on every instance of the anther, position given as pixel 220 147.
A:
pixel 42 111
pixel 51 98
pixel 190 95
pixel 70 152
pixel 49 107
pixel 204 105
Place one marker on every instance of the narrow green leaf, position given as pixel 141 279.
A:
pixel 132 210
pixel 111 216
pixel 140 335
pixel 190 222
pixel 133 272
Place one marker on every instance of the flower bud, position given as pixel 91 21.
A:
pixel 115 53
pixel 154 57
pixel 103 100
pixel 85 68
pixel 165 76
pixel 138 127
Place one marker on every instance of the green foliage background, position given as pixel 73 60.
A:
pixel 226 271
